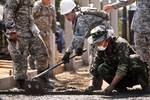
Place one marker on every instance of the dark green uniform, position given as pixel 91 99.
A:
pixel 117 60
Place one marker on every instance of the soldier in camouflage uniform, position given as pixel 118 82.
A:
pixel 140 25
pixel 116 63
pixel 21 41
pixel 82 22
pixel 116 59
pixel 45 18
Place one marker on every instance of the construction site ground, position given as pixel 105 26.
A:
pixel 71 84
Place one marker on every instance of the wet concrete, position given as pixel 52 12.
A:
pixel 70 86
pixel 74 97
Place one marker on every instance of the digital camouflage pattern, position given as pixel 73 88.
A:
pixel 19 19
pixel 141 26
pixel 143 46
pixel 141 19
pixel 45 19
pixel 117 60
pixel 83 25
pixel 18 16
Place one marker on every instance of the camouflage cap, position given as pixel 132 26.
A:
pixel 98 34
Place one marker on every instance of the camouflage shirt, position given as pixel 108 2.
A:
pixel 18 16
pixel 45 17
pixel 116 55
pixel 141 19
pixel 84 23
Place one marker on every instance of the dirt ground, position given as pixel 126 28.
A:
pixel 70 81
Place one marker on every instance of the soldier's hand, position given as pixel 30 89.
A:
pixel 93 71
pixel 108 90
pixel 65 58
pixel 12 36
pixel 107 8
pixel 79 51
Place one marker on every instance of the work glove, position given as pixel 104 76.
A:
pixel 79 51
pixel 12 36
pixel 66 56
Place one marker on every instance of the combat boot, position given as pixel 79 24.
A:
pixel 51 75
pixel 145 85
pixel 31 62
pixel 45 82
pixel 20 83
pixel 95 84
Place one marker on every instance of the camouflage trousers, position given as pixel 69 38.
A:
pixel 137 74
pixel 47 42
pixel 142 45
pixel 19 52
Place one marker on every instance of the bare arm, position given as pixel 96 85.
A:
pixel 113 84
pixel 122 4
pixel 109 7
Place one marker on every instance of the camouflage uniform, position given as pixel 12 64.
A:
pixel 141 27
pixel 18 16
pixel 117 60
pixel 84 23
pixel 45 19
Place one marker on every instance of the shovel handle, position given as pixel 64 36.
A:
pixel 51 68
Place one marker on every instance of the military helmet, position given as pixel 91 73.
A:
pixel 99 34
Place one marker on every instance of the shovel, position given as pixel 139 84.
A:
pixel 33 86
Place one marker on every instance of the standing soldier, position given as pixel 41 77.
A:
pixel 21 41
pixel 45 18
pixel 140 25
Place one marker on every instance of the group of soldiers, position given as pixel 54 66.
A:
pixel 29 23
pixel 114 60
